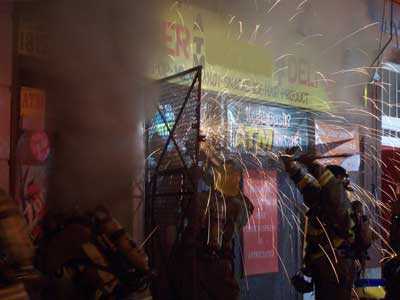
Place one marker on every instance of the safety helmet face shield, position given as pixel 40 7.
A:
pixel 341 174
pixel 347 184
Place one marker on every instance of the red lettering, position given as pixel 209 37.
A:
pixel 182 40
pixel 167 26
pixel 303 72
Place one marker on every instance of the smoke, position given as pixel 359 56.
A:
pixel 98 95
pixel 99 52
pixel 329 35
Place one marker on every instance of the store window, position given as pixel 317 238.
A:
pixel 390 91
pixel 389 100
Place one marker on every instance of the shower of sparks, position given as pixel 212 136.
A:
pixel 349 86
pixel 300 6
pixel 153 153
pixel 282 263
pixel 182 20
pixel 273 6
pixel 355 293
pixel 149 237
pixel 365 53
pixel 173 5
pixel 256 5
pixel 290 216
pixel 362 71
pixel 279 70
pixel 291 212
pixel 330 262
pixel 291 19
pixel 302 41
pixel 348 36
pixel 240 30
pixel 324 78
pixel 283 56
pixel 328 238
pixel 267 43
pixel 244 266
pixel 253 36
pixel 268 30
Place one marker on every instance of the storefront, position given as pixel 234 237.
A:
pixel 5 91
pixel 30 142
pixel 390 155
pixel 254 111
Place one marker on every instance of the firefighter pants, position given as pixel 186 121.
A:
pixel 199 278
pixel 333 279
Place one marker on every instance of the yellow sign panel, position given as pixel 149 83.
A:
pixel 31 40
pixel 33 102
pixel 194 36
pixel 253 139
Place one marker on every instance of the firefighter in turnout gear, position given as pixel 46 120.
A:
pixel 391 268
pixel 95 253
pixel 19 279
pixel 329 259
pixel 202 266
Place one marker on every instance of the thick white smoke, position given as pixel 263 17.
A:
pixel 99 52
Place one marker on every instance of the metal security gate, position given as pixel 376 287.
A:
pixel 172 148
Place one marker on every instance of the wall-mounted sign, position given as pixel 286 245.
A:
pixel 32 41
pixel 32 195
pixel 158 126
pixel 33 108
pixel 33 147
pixel 339 140
pixel 40 146
pixel 258 128
pixel 194 36
pixel 260 234
pixel 32 170
pixel 297 71
pixel 33 102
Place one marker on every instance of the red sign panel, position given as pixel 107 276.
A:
pixel 40 146
pixel 260 234
pixel 348 143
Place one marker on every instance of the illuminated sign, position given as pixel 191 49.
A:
pixel 296 70
pixel 194 36
pixel 33 102
pixel 253 139
pixel 32 40
pixel 158 125
pixel 258 128
pixel 348 143
pixel 260 236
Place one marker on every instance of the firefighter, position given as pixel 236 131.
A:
pixel 93 256
pixel 202 266
pixel 391 268
pixel 328 260
pixel 363 236
pixel 18 277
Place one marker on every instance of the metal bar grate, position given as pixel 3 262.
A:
pixel 172 145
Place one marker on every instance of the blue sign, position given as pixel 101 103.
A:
pixel 158 126
pixel 258 128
